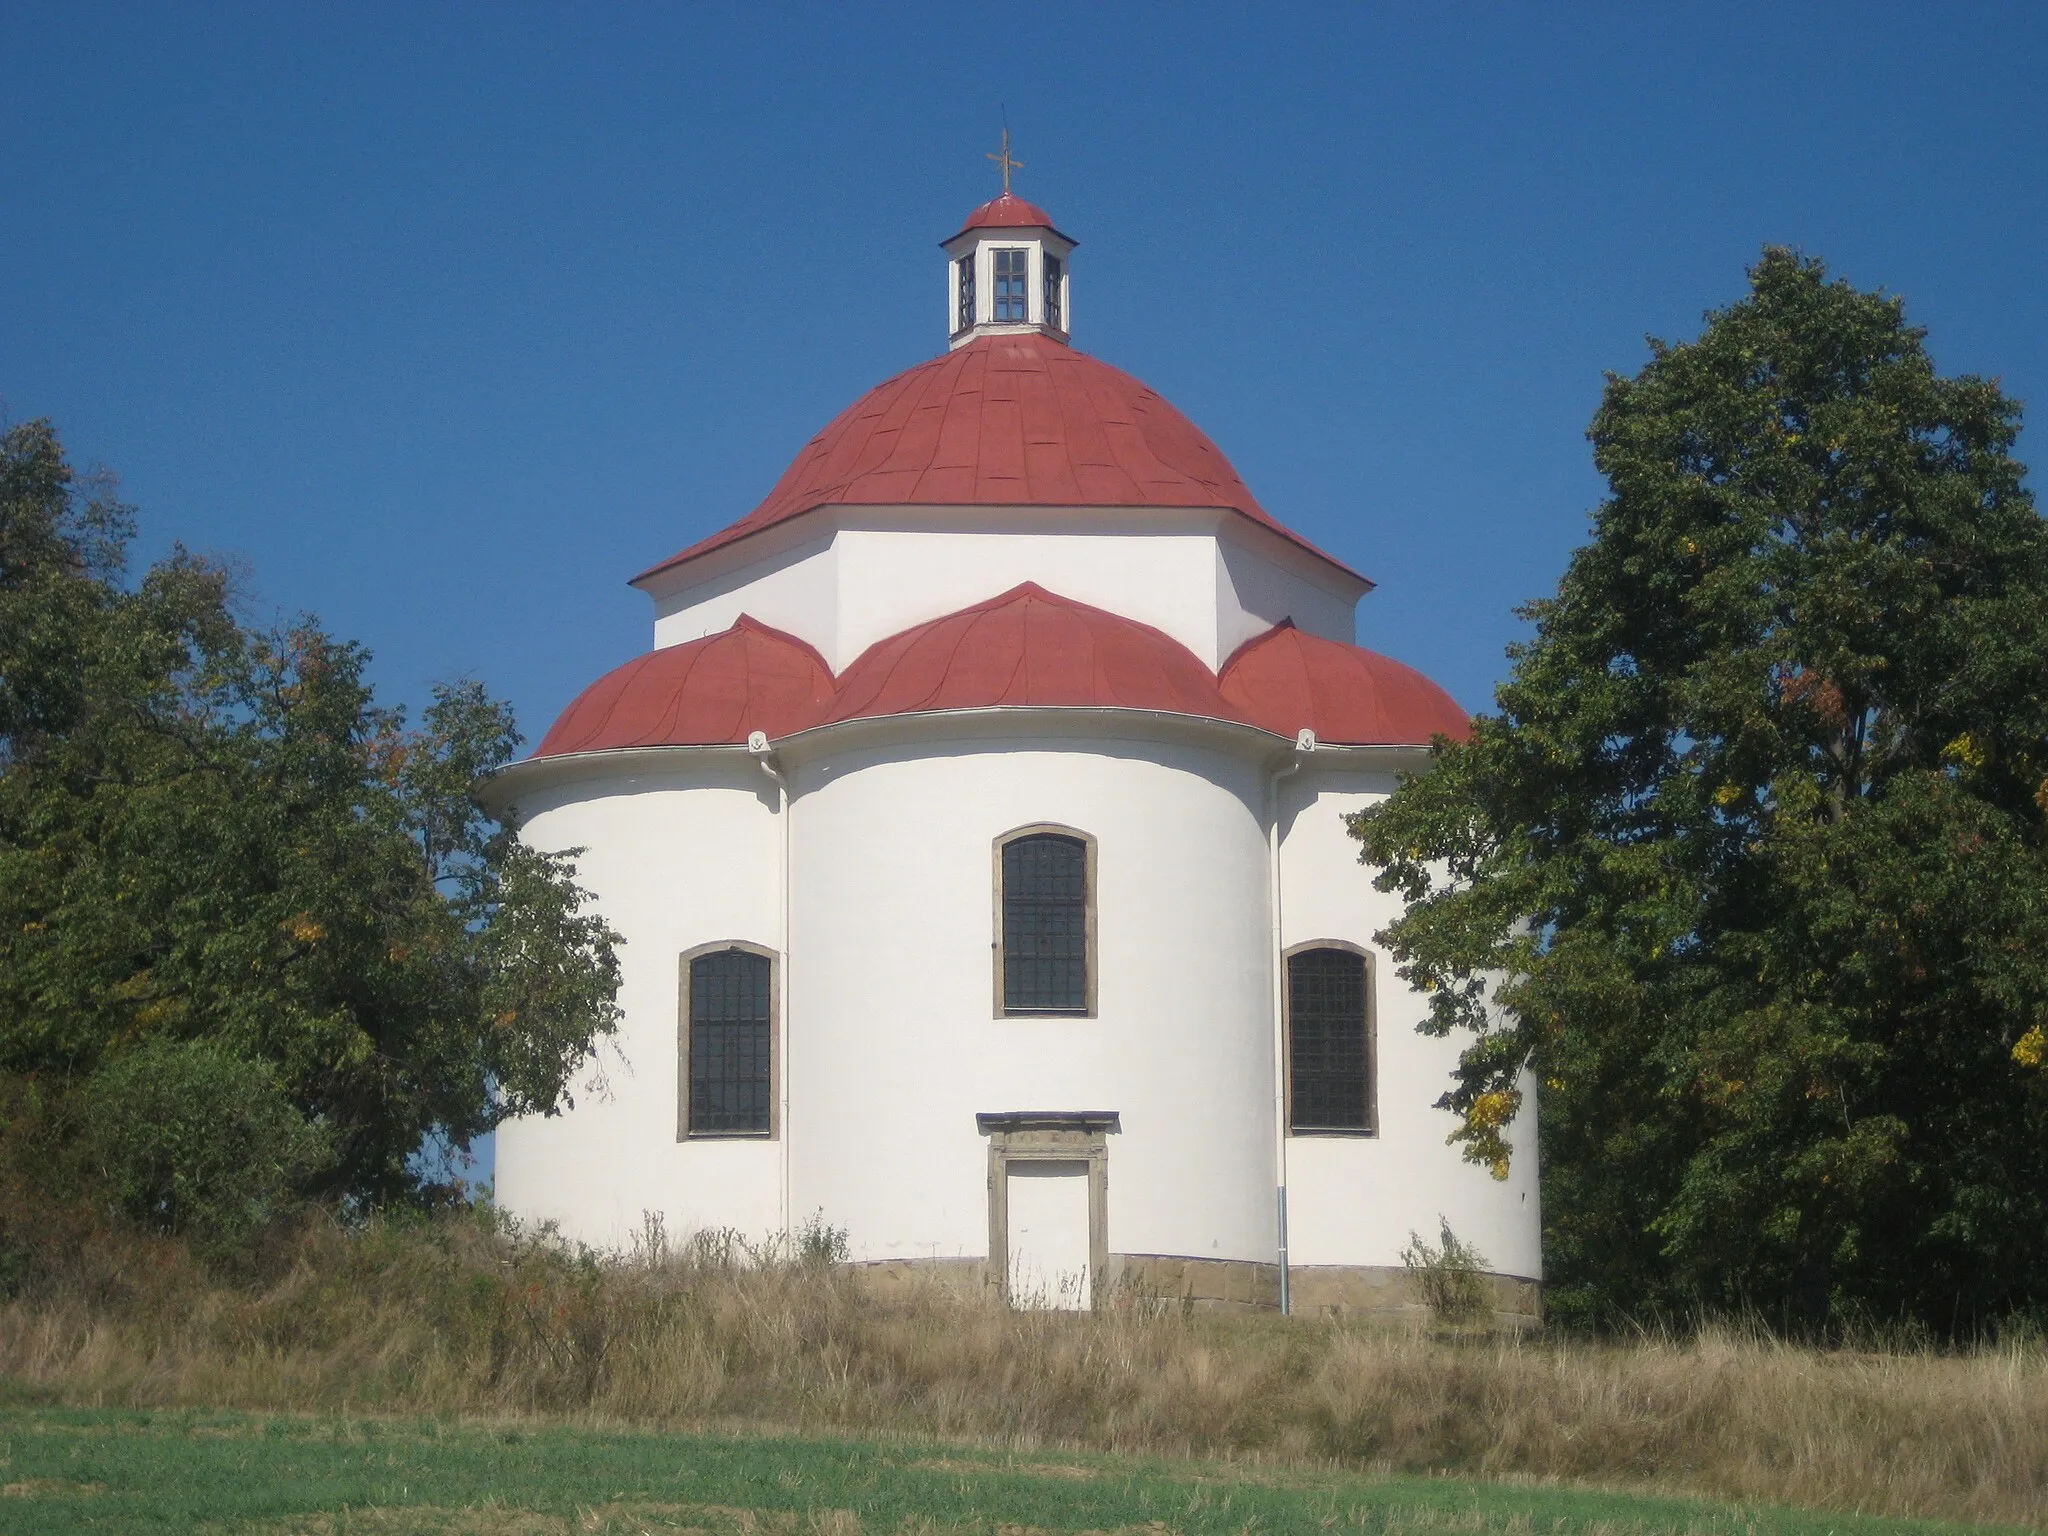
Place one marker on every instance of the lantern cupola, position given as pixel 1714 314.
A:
pixel 1006 271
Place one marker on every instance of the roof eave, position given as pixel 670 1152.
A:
pixel 726 538
pixel 498 788
pixel 1018 229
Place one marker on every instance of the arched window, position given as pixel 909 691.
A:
pixel 1329 1042
pixel 1045 938
pixel 728 1042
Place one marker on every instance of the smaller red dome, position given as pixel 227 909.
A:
pixel 1004 211
pixel 1284 680
pixel 1028 646
pixel 703 693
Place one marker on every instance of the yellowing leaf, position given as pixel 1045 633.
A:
pixel 1967 751
pixel 302 928
pixel 1495 1109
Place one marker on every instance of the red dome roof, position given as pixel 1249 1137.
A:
pixel 1028 646
pixel 1004 211
pixel 1284 680
pixel 705 692
pixel 1018 420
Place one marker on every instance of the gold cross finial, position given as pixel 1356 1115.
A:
pixel 1006 162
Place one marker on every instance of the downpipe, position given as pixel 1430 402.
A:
pixel 1304 742
pixel 757 744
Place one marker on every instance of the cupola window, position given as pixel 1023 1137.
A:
pixel 728 1028
pixel 1013 266
pixel 1045 938
pixel 1329 1042
pixel 964 321
pixel 1053 270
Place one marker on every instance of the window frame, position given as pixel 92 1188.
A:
pixel 996 279
pixel 686 960
pixel 1087 841
pixel 1371 1129
pixel 965 293
pixel 1052 299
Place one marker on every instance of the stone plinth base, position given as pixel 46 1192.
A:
pixel 1228 1285
pixel 1205 1285
pixel 1376 1291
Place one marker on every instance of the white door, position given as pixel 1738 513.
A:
pixel 1048 1208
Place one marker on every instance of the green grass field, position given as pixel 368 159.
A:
pixel 67 1470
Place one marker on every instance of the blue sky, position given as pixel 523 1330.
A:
pixel 445 319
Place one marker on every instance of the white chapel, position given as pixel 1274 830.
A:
pixel 975 827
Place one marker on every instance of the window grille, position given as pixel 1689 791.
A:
pixel 966 266
pixel 1045 924
pixel 731 1027
pixel 1012 274
pixel 1328 1050
pixel 1052 293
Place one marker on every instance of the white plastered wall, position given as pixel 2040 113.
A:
pixel 892 580
pixel 895 1045
pixel 894 1042
pixel 843 591
pixel 1355 1200
pixel 795 590
pixel 677 856
pixel 1253 594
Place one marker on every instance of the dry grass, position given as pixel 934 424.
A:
pixel 460 1317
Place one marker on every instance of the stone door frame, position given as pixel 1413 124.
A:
pixel 1048 1136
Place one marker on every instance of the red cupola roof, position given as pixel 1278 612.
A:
pixel 1021 420
pixel 1285 679
pixel 1028 646
pixel 703 693
pixel 1004 211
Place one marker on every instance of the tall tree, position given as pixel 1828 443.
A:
pixel 1747 874
pixel 214 840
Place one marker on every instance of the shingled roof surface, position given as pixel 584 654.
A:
pixel 1018 420
pixel 1286 679
pixel 707 692
pixel 1026 647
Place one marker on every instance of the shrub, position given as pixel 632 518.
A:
pixel 1451 1277
pixel 195 1141
pixel 818 1243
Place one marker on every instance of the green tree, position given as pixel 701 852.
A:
pixel 192 1139
pixel 1747 874
pixel 214 836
